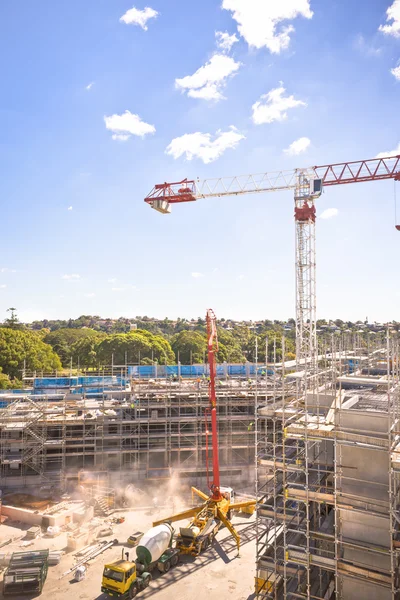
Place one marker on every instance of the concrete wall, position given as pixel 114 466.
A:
pixel 367 465
pixel 352 589
pixel 360 421
pixel 22 514
pixel 365 528
pixel 74 514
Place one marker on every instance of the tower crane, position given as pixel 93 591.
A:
pixel 307 184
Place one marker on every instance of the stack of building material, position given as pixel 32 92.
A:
pixel 55 557
pixel 33 532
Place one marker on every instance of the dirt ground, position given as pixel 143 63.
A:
pixel 217 573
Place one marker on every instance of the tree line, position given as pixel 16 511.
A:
pixel 90 342
pixel 30 348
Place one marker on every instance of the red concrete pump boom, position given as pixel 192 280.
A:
pixel 212 347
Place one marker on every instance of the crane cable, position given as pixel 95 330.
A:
pixel 396 223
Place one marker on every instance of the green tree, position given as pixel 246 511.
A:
pixel 130 346
pixel 249 347
pixel 190 345
pixel 84 350
pixel 229 349
pixel 63 340
pixel 7 384
pixel 12 321
pixel 18 346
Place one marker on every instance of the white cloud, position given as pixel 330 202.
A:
pixel 259 21
pixel 196 275
pixel 89 86
pixel 396 72
pixel 206 83
pixel 225 41
pixel 3 286
pixel 120 137
pixel 127 124
pixel 134 16
pixel 118 289
pixel 71 277
pixel 89 295
pixel 274 106
pixel 329 213
pixel 69 208
pixel 366 48
pixel 393 14
pixel 112 280
pixel 395 152
pixel 7 270
pixel 201 145
pixel 298 146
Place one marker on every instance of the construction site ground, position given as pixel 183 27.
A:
pixel 218 572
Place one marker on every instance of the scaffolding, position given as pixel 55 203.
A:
pixel 143 430
pixel 328 478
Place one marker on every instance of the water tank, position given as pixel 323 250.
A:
pixel 154 543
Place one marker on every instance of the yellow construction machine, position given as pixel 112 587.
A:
pixel 206 520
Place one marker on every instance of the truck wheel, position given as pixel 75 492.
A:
pixel 133 591
pixel 211 538
pixel 146 581
pixel 174 560
pixel 167 566
pixel 205 544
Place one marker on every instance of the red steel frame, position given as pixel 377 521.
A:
pixel 212 347
pixel 373 169
pixel 359 171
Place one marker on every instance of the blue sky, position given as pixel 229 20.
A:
pixel 110 254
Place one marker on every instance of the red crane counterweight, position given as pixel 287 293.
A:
pixel 179 191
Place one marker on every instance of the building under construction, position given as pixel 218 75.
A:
pixel 328 480
pixel 131 430
pixel 325 436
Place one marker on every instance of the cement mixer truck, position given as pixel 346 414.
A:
pixel 124 579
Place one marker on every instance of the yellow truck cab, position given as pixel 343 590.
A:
pixel 124 579
pixel 120 580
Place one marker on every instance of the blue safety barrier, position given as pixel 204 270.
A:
pixel 97 384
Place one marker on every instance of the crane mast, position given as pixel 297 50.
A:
pixel 306 298
pixel 307 185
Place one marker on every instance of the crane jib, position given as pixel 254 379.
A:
pixel 189 190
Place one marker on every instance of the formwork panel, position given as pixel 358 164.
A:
pixel 355 589
pixel 363 471
pixel 365 528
